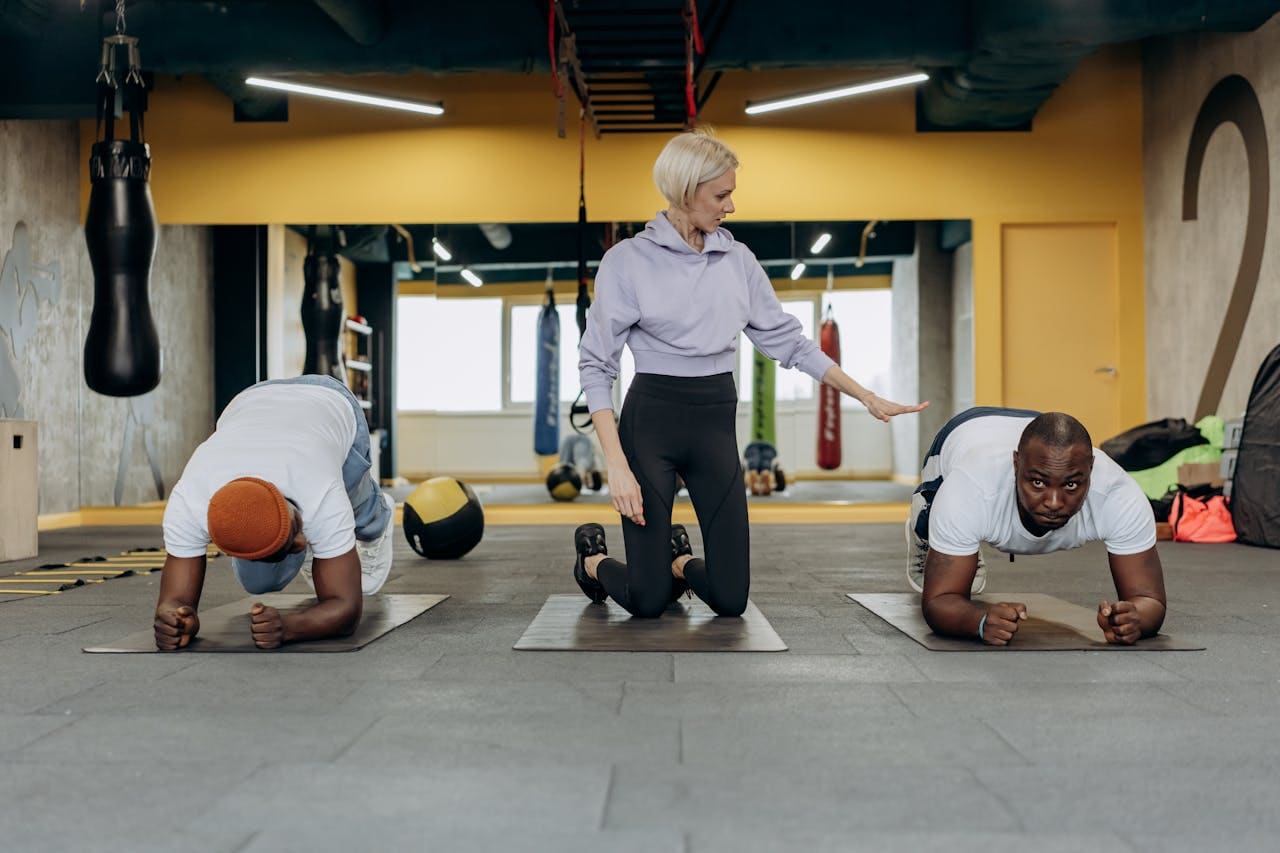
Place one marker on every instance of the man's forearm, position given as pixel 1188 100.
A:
pixel 334 617
pixel 953 615
pixel 1150 614
pixel 181 582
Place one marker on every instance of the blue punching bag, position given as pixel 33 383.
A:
pixel 546 417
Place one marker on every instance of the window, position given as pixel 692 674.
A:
pixel 866 323
pixel 524 352
pixel 448 354
pixel 789 385
pixel 451 356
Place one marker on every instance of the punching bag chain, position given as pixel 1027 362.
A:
pixel 107 74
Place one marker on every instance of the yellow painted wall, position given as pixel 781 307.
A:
pixel 495 156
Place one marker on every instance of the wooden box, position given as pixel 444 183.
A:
pixel 19 490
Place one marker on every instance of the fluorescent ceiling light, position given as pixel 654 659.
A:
pixel 350 97
pixel 833 94
pixel 797 271
pixel 820 244
pixel 472 278
pixel 441 252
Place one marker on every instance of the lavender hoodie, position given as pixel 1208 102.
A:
pixel 680 311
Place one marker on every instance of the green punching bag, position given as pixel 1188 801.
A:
pixel 763 391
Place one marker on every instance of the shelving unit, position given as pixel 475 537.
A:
pixel 359 363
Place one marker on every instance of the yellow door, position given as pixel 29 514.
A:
pixel 1060 288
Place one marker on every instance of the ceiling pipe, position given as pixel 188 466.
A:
pixel 365 21
pixel 1021 52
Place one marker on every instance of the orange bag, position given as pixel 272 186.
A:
pixel 1201 519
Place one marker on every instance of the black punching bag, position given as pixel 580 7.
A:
pixel 122 349
pixel 323 316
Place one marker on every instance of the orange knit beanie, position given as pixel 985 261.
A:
pixel 249 519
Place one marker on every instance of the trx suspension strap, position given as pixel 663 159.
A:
pixel 584 301
pixel 579 411
pixel 692 44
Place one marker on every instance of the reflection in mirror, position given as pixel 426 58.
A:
pixel 470 298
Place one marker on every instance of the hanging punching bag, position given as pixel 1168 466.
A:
pixel 121 349
pixel 323 316
pixel 546 415
pixel 584 301
pixel 763 393
pixel 829 400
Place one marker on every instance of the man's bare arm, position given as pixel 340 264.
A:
pixel 945 600
pixel 949 610
pixel 1139 580
pixel 176 619
pixel 336 613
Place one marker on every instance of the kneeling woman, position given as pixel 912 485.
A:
pixel 678 295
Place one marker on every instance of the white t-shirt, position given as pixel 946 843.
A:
pixel 295 436
pixel 977 501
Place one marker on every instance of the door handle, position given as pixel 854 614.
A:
pixel 1107 369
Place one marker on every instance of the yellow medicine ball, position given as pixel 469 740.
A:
pixel 443 519
pixel 563 483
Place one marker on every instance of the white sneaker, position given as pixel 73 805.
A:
pixel 980 579
pixel 305 571
pixel 918 551
pixel 375 556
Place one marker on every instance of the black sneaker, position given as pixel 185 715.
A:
pixel 588 540
pixel 679 546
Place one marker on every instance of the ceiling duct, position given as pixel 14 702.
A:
pixel 1021 52
pixel 365 21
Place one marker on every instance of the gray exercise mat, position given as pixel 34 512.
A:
pixel 572 623
pixel 226 628
pixel 1052 625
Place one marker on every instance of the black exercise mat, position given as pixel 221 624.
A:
pixel 1052 625
pixel 226 628
pixel 572 623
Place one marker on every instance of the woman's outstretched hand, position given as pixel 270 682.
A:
pixel 879 407
pixel 625 492
pixel 883 409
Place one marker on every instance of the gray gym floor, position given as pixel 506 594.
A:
pixel 440 737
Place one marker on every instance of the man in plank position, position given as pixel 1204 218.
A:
pixel 1059 492
pixel 286 469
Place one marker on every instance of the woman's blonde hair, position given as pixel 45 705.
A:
pixel 688 160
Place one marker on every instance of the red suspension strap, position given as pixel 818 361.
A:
pixel 692 43
pixel 551 48
pixel 693 26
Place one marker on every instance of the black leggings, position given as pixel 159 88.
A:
pixel 683 425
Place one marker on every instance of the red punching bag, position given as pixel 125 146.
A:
pixel 829 400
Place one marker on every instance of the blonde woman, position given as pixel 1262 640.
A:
pixel 678 295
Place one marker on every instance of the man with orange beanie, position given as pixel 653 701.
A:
pixel 287 470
